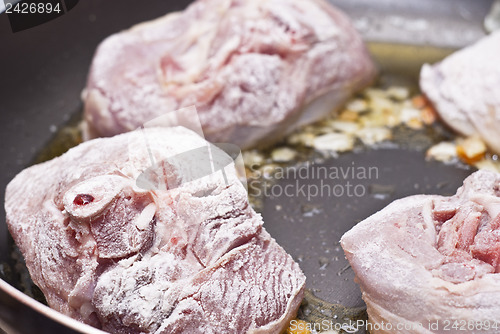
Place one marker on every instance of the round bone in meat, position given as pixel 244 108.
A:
pixel 190 257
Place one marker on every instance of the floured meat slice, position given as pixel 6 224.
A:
pixel 464 90
pixel 192 258
pixel 427 261
pixel 254 69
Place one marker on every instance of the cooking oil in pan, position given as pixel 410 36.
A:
pixel 388 114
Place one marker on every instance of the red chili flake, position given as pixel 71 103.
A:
pixel 83 199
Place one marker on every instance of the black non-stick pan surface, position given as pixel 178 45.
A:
pixel 42 73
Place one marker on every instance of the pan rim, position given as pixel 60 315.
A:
pixel 47 311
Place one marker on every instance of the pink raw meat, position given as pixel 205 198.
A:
pixel 464 88
pixel 190 259
pixel 428 259
pixel 254 69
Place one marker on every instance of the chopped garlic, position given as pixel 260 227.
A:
pixel 338 142
pixel 357 105
pixel 487 164
pixel 398 93
pixel 381 104
pixel 374 120
pixel 304 138
pixel 444 152
pixel 373 135
pixel 471 149
pixel 252 158
pixel 344 126
pixel 283 154
pixel 348 115
pixel 415 123
pixel 409 114
pixel 375 92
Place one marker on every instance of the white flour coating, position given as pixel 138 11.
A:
pixel 191 259
pixel 252 68
pixel 429 258
pixel 464 89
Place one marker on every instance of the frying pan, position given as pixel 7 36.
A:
pixel 43 70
